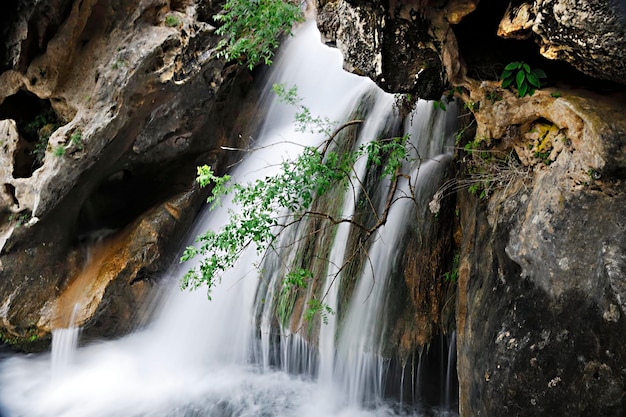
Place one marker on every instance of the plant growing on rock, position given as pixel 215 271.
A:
pixel 525 79
pixel 172 20
pixel 41 128
pixel 252 29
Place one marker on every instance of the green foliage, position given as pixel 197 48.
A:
pixel 172 20
pixel 59 150
pixel 76 139
pixel 20 219
pixel 262 204
pixel 119 63
pixel 252 29
pixel 295 280
pixel 315 307
pixel 594 174
pixel 544 156
pixel 472 106
pixel 494 96
pixel 525 79
pixel 41 128
pixel 392 151
pixel 439 105
pixel 555 94
pixel 304 120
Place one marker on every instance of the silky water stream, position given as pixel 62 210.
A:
pixel 228 357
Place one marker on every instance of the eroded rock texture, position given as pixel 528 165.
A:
pixel 402 45
pixel 105 110
pixel 541 315
pixel 589 34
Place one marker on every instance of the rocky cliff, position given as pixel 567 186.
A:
pixel 540 302
pixel 105 110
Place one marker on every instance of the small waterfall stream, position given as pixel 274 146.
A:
pixel 64 345
pixel 227 357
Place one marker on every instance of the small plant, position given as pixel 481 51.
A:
pixel 76 139
pixel 555 94
pixel 172 20
pixel 59 150
pixel 453 275
pixel 472 106
pixel 20 219
pixel 594 174
pixel 447 98
pixel 119 64
pixel 525 79
pixel 544 156
pixel 439 105
pixel 494 96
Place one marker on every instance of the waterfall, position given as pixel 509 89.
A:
pixel 64 344
pixel 229 357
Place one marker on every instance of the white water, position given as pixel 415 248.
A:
pixel 64 345
pixel 194 360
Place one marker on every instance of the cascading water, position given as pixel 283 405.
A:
pixel 195 359
pixel 64 344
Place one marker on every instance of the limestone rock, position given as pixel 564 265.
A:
pixel 590 34
pixel 105 110
pixel 541 318
pixel 399 46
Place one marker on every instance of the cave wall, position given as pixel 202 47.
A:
pixel 106 108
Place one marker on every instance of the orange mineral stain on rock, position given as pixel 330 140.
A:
pixel 85 291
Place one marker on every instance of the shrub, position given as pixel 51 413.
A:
pixel 252 28
pixel 525 79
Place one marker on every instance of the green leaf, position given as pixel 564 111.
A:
pixel 519 79
pixel 506 74
pixel 513 66
pixel 533 80
pixel 526 68
pixel 523 89
pixel 507 82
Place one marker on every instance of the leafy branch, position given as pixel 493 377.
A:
pixel 252 29
pixel 262 204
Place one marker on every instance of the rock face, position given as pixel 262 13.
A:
pixel 590 35
pixel 106 107
pixel 105 110
pixel 541 317
pixel 540 312
pixel 402 45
